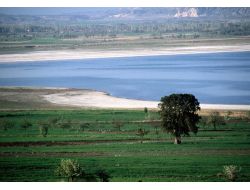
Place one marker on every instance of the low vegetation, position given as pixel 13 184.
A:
pixel 69 169
pixel 231 172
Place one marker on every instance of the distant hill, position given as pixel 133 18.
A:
pixel 130 13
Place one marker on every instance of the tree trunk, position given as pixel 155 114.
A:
pixel 177 140
pixel 214 126
pixel 70 179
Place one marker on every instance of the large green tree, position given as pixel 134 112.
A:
pixel 179 114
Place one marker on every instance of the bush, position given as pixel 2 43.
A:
pixel 231 172
pixel 103 175
pixel 69 168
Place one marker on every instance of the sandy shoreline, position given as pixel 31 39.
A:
pixel 63 98
pixel 84 54
pixel 95 99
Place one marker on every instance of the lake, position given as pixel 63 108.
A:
pixel 221 78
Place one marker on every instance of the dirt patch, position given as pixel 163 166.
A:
pixel 63 143
pixel 51 154
pixel 242 152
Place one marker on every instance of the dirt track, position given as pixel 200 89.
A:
pixel 63 143
pixel 50 154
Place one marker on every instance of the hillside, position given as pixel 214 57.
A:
pixel 12 15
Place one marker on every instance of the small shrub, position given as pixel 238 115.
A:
pixel 118 124
pixel 231 172
pixel 141 133
pixel 69 168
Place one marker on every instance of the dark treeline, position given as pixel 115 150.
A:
pixel 173 28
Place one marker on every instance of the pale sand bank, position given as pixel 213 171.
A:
pixel 84 54
pixel 95 99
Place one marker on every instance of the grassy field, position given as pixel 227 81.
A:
pixel 25 155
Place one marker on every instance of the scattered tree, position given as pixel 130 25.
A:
pixel 6 124
pixel 146 113
pixel 83 126
pixel 25 124
pixel 142 132
pixel 228 115
pixel 179 114
pixel 118 124
pixel 215 119
pixel 248 115
pixel 203 121
pixel 69 169
pixel 64 124
pixel 44 128
pixel 54 120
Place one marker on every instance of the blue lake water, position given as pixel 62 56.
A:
pixel 212 77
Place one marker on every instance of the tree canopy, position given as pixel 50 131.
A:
pixel 179 114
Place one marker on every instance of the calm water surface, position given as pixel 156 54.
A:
pixel 213 77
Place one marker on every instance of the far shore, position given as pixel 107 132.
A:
pixel 50 97
pixel 96 99
pixel 85 54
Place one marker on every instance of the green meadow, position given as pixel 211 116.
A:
pixel 26 155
